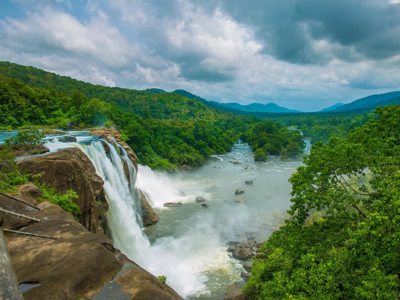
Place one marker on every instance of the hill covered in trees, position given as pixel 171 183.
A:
pixel 342 239
pixel 165 129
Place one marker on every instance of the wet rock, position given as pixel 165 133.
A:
pixel 242 254
pixel 172 204
pixel 148 215
pixel 247 266
pixel 31 190
pixel 205 205
pixel 68 139
pixel 245 276
pixel 234 291
pixel 249 182
pixel 238 192
pixel 240 201
pixel 200 199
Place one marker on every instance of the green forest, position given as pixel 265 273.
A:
pixel 166 130
pixel 342 240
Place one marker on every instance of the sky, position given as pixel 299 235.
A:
pixel 300 54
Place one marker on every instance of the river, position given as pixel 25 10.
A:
pixel 193 237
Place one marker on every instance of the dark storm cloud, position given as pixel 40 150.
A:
pixel 290 29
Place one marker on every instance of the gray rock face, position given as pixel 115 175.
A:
pixel 238 192
pixel 200 199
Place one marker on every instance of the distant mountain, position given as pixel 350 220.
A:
pixel 210 104
pixel 154 91
pixel 260 108
pixel 369 102
pixel 331 108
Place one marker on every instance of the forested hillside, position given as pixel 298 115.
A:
pixel 342 239
pixel 165 129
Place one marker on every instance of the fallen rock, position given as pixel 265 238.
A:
pixel 200 199
pixel 249 182
pixel 234 291
pixel 148 215
pixel 238 192
pixel 172 204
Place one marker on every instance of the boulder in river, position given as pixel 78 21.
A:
pixel 68 139
pixel 242 254
pixel 249 182
pixel 200 199
pixel 172 204
pixel 234 291
pixel 238 192
pixel 247 266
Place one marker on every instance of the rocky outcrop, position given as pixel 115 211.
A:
pixel 109 135
pixel 71 169
pixel 149 217
pixel 78 264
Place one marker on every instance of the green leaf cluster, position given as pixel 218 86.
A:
pixel 353 250
pixel 272 138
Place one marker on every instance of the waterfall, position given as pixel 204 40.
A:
pixel 175 258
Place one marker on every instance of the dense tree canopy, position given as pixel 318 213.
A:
pixel 351 250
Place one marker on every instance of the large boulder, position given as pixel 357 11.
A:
pixel 78 264
pixel 149 217
pixel 71 169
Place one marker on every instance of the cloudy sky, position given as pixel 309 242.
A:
pixel 301 54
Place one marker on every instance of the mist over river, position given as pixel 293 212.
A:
pixel 190 240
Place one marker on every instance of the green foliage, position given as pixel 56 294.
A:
pixel 272 138
pixel 352 250
pixel 10 175
pixel 27 140
pixel 65 201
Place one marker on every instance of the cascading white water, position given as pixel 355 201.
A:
pixel 175 258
